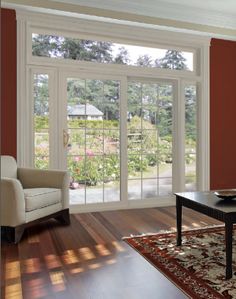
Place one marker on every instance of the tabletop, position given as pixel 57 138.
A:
pixel 209 199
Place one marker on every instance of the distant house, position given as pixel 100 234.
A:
pixel 88 112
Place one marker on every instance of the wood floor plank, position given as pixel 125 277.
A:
pixel 88 259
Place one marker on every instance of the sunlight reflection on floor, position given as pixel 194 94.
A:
pixel 38 287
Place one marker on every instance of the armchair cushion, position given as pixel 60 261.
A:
pixel 38 198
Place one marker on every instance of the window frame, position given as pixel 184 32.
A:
pixel 27 23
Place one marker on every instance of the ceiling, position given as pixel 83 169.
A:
pixel 148 7
pixel 211 16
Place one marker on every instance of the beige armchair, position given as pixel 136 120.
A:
pixel 29 196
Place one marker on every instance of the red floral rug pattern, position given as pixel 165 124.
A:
pixel 197 267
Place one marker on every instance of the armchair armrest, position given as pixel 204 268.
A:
pixel 12 209
pixel 37 178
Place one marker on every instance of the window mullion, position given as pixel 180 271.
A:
pixel 203 112
pixel 178 138
pixel 61 119
pixel 123 141
pixel 53 127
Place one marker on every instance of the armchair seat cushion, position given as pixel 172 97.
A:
pixel 30 195
pixel 37 198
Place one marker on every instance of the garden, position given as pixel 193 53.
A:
pixel 93 154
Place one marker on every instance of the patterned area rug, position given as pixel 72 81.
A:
pixel 197 267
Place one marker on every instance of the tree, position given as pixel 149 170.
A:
pixel 77 49
pixel 41 105
pixel 104 95
pixel 122 57
pixel 46 45
pixel 75 91
pixel 98 51
pixel 86 50
pixel 144 60
pixel 172 60
pixel 74 49
pixel 190 112
pixel 111 100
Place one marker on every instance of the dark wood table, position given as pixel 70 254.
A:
pixel 209 204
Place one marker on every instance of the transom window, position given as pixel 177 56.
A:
pixel 107 52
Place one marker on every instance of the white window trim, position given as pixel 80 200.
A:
pixel 26 21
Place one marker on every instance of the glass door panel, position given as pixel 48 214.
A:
pixel 93 149
pixel 149 140
pixel 190 137
pixel 41 120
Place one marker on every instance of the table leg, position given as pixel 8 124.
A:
pixel 228 248
pixel 179 219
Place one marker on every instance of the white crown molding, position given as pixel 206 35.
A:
pixel 108 31
pixel 172 16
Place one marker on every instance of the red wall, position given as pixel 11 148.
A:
pixel 222 114
pixel 8 82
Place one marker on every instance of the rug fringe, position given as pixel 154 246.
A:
pixel 171 231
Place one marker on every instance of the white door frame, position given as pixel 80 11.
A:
pixel 26 22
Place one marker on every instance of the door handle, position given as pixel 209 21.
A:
pixel 66 138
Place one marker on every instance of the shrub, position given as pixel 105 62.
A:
pixel 41 162
pixel 41 122
pixel 111 169
pixel 93 124
pixel 152 159
pixel 136 164
pixel 96 169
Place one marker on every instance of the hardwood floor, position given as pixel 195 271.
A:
pixel 88 259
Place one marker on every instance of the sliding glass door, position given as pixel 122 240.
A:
pixel 116 136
